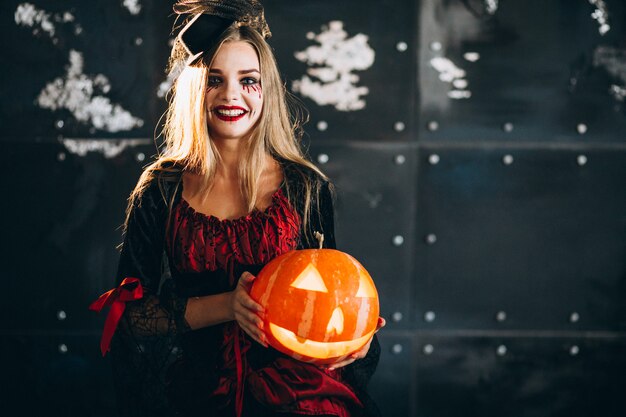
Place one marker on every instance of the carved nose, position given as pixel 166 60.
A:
pixel 335 324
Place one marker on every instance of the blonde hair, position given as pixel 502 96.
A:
pixel 187 143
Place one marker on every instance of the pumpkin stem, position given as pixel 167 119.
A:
pixel 320 238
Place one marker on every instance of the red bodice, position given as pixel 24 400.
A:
pixel 199 243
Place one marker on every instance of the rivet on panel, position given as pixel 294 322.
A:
pixel 435 46
pixel 402 46
pixel 428 349
pixel 322 125
pixel 399 126
pixel 322 158
pixel 396 349
pixel 434 159
pixel 471 56
pixel 399 159
pixel 501 316
pixel 430 316
pixel 507 159
pixel 140 157
pixel 581 160
pixel 501 350
pixel 507 127
pixel 63 348
pixel 61 315
pixel 431 238
pixel 574 317
pixel 574 350
pixel 61 156
pixel 433 125
pixel 398 240
pixel 396 316
pixel 59 124
pixel 581 128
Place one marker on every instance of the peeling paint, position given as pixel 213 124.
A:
pixel 330 79
pixel 601 15
pixel 75 92
pixel 133 6
pixel 109 148
pixel 613 60
pixel 450 73
pixel 28 15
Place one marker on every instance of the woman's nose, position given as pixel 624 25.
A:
pixel 231 91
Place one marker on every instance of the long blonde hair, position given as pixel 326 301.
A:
pixel 187 143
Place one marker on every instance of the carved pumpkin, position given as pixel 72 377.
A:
pixel 320 304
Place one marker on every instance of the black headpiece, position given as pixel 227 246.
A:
pixel 210 18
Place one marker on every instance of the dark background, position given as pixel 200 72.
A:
pixel 494 225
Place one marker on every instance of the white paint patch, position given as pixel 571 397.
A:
pixel 133 6
pixel 601 15
pixel 330 79
pixel 450 73
pixel 109 148
pixel 471 56
pixel 28 15
pixel 491 6
pixel 76 92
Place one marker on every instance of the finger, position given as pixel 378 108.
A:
pixel 381 323
pixel 246 280
pixel 341 364
pixel 249 303
pixel 255 333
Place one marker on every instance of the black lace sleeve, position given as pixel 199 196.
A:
pixel 145 341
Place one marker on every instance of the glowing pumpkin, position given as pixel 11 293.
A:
pixel 320 304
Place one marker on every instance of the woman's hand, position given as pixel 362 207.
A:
pixel 246 311
pixel 359 354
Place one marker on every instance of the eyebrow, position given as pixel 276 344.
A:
pixel 246 71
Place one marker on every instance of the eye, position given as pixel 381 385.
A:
pixel 310 279
pixel 249 81
pixel 214 81
pixel 366 288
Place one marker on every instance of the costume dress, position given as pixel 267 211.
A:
pixel 163 368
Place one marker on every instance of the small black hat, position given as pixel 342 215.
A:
pixel 212 17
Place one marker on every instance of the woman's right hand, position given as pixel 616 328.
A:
pixel 246 311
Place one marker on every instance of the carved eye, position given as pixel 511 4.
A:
pixel 310 279
pixel 366 287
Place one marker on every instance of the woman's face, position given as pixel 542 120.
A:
pixel 234 98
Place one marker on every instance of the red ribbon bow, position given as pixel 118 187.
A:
pixel 129 290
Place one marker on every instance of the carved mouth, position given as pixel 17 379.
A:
pixel 322 350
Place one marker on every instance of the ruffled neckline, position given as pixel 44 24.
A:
pixel 278 201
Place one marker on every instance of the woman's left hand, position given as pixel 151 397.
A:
pixel 359 354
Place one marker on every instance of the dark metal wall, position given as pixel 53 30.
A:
pixel 479 152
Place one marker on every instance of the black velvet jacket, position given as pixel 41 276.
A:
pixel 153 333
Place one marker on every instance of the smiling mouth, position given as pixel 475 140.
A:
pixel 229 113
pixel 320 350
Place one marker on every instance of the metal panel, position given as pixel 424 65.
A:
pixel 391 387
pixel 55 375
pixel 389 27
pixel 375 212
pixel 519 376
pixel 539 239
pixel 62 221
pixel 536 70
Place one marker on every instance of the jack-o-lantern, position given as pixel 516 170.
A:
pixel 320 304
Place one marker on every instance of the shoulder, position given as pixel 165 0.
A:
pixel 299 175
pixel 157 186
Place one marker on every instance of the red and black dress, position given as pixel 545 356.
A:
pixel 162 367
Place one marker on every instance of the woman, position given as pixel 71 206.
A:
pixel 230 191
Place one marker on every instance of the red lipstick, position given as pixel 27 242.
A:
pixel 229 113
